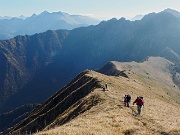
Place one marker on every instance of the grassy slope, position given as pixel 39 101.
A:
pixel 152 80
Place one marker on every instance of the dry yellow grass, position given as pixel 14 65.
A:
pixel 160 114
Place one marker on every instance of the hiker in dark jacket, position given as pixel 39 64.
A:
pixel 139 102
pixel 128 100
pixel 106 86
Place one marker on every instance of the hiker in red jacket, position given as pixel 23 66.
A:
pixel 139 102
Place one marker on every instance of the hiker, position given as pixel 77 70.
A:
pixel 128 100
pixel 139 102
pixel 106 86
pixel 125 100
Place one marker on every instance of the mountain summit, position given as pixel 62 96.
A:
pixel 173 12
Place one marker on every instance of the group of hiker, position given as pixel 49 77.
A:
pixel 139 102
pixel 127 99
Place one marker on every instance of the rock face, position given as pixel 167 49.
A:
pixel 11 27
pixel 32 68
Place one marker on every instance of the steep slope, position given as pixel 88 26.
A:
pixel 22 59
pixel 41 23
pixel 175 58
pixel 170 55
pixel 15 116
pixel 70 95
pixel 102 112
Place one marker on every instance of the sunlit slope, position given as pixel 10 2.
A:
pixel 150 79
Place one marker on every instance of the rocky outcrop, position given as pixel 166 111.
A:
pixel 110 69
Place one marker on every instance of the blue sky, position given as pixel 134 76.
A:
pixel 102 9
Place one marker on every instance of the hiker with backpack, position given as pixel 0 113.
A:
pixel 106 86
pixel 139 102
pixel 128 99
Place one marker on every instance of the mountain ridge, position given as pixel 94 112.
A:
pixel 106 107
pixel 67 93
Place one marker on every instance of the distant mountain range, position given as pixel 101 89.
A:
pixel 171 11
pixel 9 17
pixel 13 26
pixel 32 68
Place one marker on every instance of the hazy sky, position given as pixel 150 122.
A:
pixel 103 9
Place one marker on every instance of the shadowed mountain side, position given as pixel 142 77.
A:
pixel 82 107
pixel 24 60
pixel 15 116
pixel 175 58
pixel 71 96
pixel 169 54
